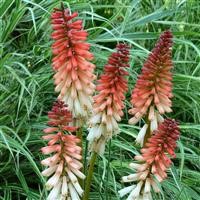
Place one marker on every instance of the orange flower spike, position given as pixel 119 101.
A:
pixel 153 89
pixel 73 71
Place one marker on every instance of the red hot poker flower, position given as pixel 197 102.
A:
pixel 74 72
pixel 59 117
pixel 162 142
pixel 64 164
pixel 153 162
pixel 108 104
pixel 112 84
pixel 153 88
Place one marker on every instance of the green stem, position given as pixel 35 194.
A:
pixel 148 133
pixel 85 159
pixel 108 171
pixel 89 176
pixel 79 134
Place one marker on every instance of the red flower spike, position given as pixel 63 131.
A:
pixel 163 141
pixel 153 88
pixel 112 84
pixel 59 115
pixel 153 161
pixel 108 104
pixel 64 164
pixel 74 73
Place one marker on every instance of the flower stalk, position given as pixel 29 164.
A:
pixel 71 63
pixel 64 164
pixel 153 162
pixel 108 103
pixel 89 176
pixel 152 94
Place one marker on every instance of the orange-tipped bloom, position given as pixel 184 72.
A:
pixel 64 163
pixel 108 104
pixel 153 162
pixel 153 88
pixel 71 56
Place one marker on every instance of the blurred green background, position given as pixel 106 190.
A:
pixel 27 89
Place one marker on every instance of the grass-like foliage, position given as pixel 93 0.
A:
pixel 27 90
